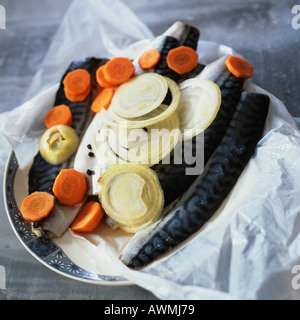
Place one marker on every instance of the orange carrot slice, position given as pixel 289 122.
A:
pixel 77 97
pixel 58 115
pixel 70 187
pixel 182 59
pixel 88 217
pixel 239 67
pixel 101 80
pixel 77 82
pixel 149 59
pixel 37 206
pixel 103 99
pixel 118 70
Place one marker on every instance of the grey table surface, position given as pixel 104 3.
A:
pixel 261 31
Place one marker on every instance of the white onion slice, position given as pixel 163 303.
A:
pixel 126 194
pixel 161 112
pixel 199 104
pixel 146 145
pixel 139 96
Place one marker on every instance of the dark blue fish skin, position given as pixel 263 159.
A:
pixel 42 174
pixel 190 37
pixel 231 89
pixel 191 74
pixel 168 174
pixel 162 67
pixel 210 189
pixel 173 178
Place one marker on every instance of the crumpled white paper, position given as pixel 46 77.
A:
pixel 247 250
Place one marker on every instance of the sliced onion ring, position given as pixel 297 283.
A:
pixel 140 95
pixel 126 194
pixel 150 118
pixel 146 145
pixel 199 104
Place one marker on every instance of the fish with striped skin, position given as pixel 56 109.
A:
pixel 231 89
pixel 210 188
pixel 42 174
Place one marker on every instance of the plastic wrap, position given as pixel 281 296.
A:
pixel 248 249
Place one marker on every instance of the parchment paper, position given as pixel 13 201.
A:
pixel 247 250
